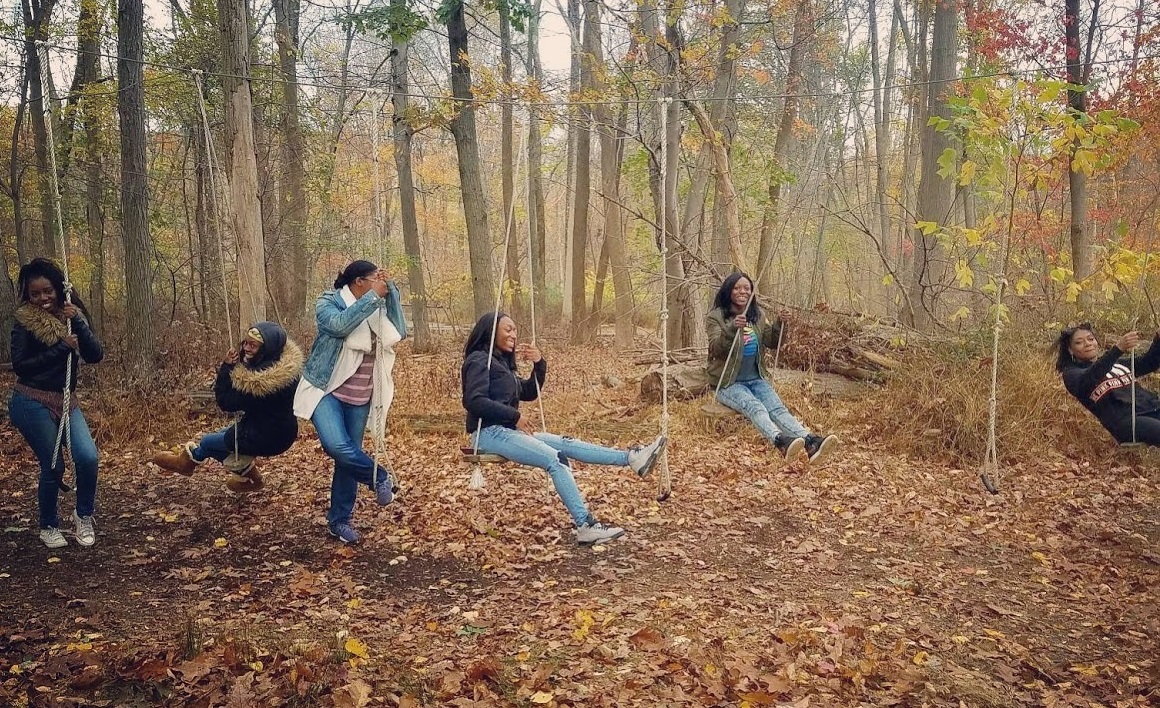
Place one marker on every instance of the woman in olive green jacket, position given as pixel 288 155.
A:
pixel 738 338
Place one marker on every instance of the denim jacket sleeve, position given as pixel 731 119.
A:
pixel 338 322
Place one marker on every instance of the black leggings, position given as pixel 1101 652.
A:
pixel 1147 429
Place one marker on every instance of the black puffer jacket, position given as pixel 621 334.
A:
pixel 1104 387
pixel 264 391
pixel 39 353
pixel 494 395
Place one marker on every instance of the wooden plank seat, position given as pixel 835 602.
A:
pixel 482 458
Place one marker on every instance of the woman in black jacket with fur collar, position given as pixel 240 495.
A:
pixel 259 380
pixel 41 351
pixel 1103 382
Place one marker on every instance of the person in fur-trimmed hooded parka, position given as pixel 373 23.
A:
pixel 259 380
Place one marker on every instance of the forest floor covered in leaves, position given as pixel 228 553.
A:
pixel 874 579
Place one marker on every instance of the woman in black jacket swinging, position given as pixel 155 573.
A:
pixel 492 394
pixel 258 379
pixel 1103 382
pixel 41 350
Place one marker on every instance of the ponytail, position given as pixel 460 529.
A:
pixel 354 271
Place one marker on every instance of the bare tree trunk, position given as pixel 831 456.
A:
pixel 597 318
pixel 803 28
pixel 293 182
pixel 37 15
pixel 241 162
pixel 400 86
pixel 275 251
pixel 1078 72
pixel 726 194
pixel 507 165
pixel 134 185
pixel 25 249
pixel 88 71
pixel 936 196
pixel 470 175
pixel 536 208
pixel 582 200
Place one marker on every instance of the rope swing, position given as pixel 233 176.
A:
pixel 664 477
pixel 477 481
pixel 379 413
pixel 64 428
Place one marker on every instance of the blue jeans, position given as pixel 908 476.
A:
pixel 213 445
pixel 551 453
pixel 756 400
pixel 340 429
pixel 37 426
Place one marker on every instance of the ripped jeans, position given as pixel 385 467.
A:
pixel 551 453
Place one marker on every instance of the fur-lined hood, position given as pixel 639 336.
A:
pixel 47 329
pixel 263 382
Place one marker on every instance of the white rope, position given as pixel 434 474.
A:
pixel 477 481
pixel 64 428
pixel 210 163
pixel 380 434
pixel 664 478
pixel 991 459
pixel 211 160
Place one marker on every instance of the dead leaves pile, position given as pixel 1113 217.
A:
pixel 873 580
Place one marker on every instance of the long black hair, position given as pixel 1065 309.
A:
pixel 1064 357
pixel 481 338
pixel 724 298
pixel 354 271
pixel 47 269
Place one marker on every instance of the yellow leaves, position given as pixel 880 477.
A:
pixel 1022 286
pixel 357 650
pixel 921 658
pixel 167 517
pixel 963 274
pixel 54 559
pixel 994 633
pixel 888 279
pixel 541 697
pixel 1041 558
pixel 220 543
pixel 1085 670
pixel 584 621
pixel 967 172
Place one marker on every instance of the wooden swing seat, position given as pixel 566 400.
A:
pixel 483 458
pixel 715 409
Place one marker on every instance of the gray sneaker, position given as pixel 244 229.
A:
pixel 384 486
pixel 86 531
pixel 594 532
pixel 642 459
pixel 53 538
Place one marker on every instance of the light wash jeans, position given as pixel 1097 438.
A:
pixel 551 453
pixel 213 445
pixel 756 400
pixel 37 426
pixel 340 429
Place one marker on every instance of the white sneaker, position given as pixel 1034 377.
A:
pixel 595 532
pixel 53 538
pixel 643 459
pixel 86 532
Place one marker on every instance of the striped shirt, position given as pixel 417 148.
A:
pixel 357 390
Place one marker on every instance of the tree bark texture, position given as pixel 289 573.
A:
pixel 470 171
pixel 537 222
pixel 135 237
pixel 400 82
pixel 293 182
pixel 241 162
pixel 37 15
pixel 936 196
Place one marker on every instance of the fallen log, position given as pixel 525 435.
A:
pixel 688 381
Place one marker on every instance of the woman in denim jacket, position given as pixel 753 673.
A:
pixel 347 379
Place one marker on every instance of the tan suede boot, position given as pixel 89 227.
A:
pixel 245 482
pixel 179 460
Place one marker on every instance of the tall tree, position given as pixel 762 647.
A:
pixel 241 160
pixel 37 15
pixel 507 163
pixel 293 168
pixel 936 195
pixel 582 198
pixel 537 220
pixel 611 156
pixel 400 83
pixel 1079 68
pixel 88 72
pixel 470 169
pixel 783 143
pixel 135 237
